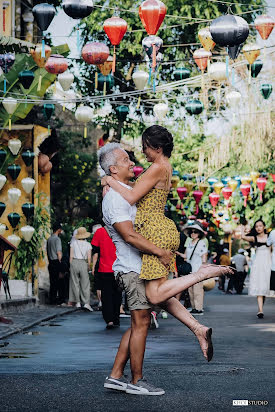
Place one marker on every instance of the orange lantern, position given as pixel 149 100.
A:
pixel 264 24
pixel 205 38
pixel 152 13
pixel 201 57
pixel 39 60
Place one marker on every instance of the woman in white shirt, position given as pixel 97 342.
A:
pixel 80 262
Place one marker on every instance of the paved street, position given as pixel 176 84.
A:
pixel 60 365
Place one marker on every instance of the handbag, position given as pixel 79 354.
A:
pixel 186 268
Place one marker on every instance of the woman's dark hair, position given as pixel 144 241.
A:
pixel 201 234
pixel 253 230
pixel 157 137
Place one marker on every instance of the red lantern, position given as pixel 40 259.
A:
pixel 264 24
pixel 95 53
pixel 261 182
pixel 56 64
pixel 152 13
pixel 245 189
pixel 115 28
pixel 214 198
pixel 182 191
pixel 137 170
pixel 198 194
pixel 227 192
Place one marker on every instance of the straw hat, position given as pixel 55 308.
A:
pixel 82 233
pixel 194 225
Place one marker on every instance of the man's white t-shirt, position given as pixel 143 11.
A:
pixel 116 209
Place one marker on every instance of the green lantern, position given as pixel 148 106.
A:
pixel 3 155
pixel 48 111
pixel 256 67
pixel 2 208
pixel 28 157
pixel 105 83
pixel 14 219
pixel 121 112
pixel 14 171
pixel 26 78
pixel 194 107
pixel 266 90
pixel 28 209
pixel 181 73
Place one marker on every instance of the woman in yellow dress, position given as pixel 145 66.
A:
pixel 150 194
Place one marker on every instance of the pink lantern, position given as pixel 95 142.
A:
pixel 198 194
pixel 227 193
pixel 261 182
pixel 214 198
pixel 245 189
pixel 182 191
pixel 137 170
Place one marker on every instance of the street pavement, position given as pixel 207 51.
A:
pixel 61 364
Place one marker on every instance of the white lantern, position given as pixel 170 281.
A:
pixel 140 78
pixel 65 79
pixel 15 240
pixel 233 98
pixel 160 110
pixel 28 184
pixel 27 232
pixel 14 146
pixel 10 105
pixel 84 114
pixel 2 229
pixel 3 180
pixel 13 195
pixel 217 71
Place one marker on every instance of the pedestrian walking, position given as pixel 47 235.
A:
pixel 80 262
pixel 54 253
pixel 225 261
pixel 105 250
pixel 259 281
pixel 240 262
pixel 271 242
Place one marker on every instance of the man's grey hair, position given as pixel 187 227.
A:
pixel 107 157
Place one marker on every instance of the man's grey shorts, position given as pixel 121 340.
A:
pixel 135 290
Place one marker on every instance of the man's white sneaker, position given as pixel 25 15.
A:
pixel 142 387
pixel 88 307
pixel 78 305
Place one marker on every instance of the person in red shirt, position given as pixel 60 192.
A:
pixel 104 247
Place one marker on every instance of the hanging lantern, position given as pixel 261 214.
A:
pixel 95 53
pixel 137 170
pixel 13 239
pixel 26 78
pixel 28 157
pixel 152 13
pixel 28 210
pixel 225 180
pixel 43 159
pixel 203 187
pixel 36 54
pixel 3 228
pixel 233 185
pixel 2 208
pixel 140 78
pixel 194 107
pixel 251 52
pixel 66 80
pixel 175 179
pixel 3 180
pixel 189 186
pixel 106 67
pixel 201 58
pixel 115 28
pixel 246 180
pixel 229 30
pixel 181 73
pixel 48 110
pixel 105 83
pixel 197 196
pixel 10 105
pixel 245 189
pixel 14 171
pixel 152 45
pixel 3 155
pixel 227 193
pixel 214 198
pixel 217 71
pixel 182 191
pixel 14 146
pixel 261 182
pixel 242 34
pixel 14 219
pixel 56 64
pixel 212 180
pixel 47 168
pixel 78 9
pixel 6 62
pixel 218 187
pixel 43 14
pixel 13 195
pixel 160 110
pixel 84 114
pixel 266 90
pixel 28 184
pixel 254 176
pixel 233 98
pixel 27 232
pixel 122 112
pixel 205 38
pixel 256 67
pixel 264 24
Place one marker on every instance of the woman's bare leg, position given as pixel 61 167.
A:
pixel 175 308
pixel 160 290
pixel 260 300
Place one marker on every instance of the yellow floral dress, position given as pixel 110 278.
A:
pixel 151 223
